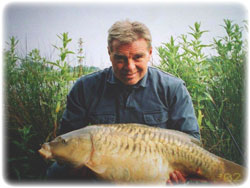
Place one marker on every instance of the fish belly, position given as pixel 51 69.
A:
pixel 119 158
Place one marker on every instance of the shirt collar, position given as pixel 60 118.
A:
pixel 113 80
pixel 111 77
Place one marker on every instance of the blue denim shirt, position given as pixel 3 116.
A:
pixel 159 100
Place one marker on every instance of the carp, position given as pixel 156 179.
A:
pixel 136 153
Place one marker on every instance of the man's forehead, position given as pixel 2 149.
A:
pixel 117 43
pixel 138 45
pixel 127 43
pixel 124 54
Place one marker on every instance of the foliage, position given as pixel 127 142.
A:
pixel 228 88
pixel 36 90
pixel 216 84
pixel 187 61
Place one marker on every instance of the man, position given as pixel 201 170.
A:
pixel 130 91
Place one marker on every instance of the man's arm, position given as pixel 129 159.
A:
pixel 182 115
pixel 182 118
pixel 74 116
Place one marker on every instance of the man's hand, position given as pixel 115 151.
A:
pixel 176 177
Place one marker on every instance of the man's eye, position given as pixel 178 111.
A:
pixel 137 57
pixel 119 57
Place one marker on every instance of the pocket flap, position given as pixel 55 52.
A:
pixel 155 117
pixel 102 118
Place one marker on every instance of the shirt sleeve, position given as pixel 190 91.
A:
pixel 182 114
pixel 74 116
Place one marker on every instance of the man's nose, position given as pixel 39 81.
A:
pixel 130 65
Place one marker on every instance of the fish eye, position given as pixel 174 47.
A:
pixel 64 141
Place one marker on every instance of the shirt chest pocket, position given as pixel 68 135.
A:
pixel 102 118
pixel 157 119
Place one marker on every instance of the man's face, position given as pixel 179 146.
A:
pixel 130 61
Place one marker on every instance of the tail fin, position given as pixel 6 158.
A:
pixel 233 173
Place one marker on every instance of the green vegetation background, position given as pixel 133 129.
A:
pixel 36 90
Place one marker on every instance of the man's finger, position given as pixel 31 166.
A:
pixel 180 176
pixel 169 182
pixel 173 177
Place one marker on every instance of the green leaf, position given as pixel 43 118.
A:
pixel 52 63
pixel 55 46
pixel 70 52
pixel 210 125
pixel 200 117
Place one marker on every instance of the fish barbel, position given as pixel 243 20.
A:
pixel 136 153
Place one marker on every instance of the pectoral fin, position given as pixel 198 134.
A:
pixel 99 169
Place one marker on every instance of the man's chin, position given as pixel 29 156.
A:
pixel 130 82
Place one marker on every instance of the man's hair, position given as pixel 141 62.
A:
pixel 126 32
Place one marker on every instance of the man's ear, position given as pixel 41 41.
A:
pixel 109 50
pixel 150 51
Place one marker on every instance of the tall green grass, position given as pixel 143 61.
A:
pixel 36 91
pixel 216 84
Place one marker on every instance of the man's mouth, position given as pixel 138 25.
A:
pixel 130 75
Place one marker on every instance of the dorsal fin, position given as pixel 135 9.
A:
pixel 176 132
pixel 169 131
pixel 195 141
pixel 184 136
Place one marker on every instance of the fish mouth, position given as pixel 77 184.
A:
pixel 45 151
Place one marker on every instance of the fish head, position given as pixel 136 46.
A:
pixel 73 149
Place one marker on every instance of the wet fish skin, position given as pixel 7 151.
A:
pixel 73 148
pixel 138 153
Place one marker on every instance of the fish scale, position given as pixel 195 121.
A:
pixel 138 153
pixel 149 136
